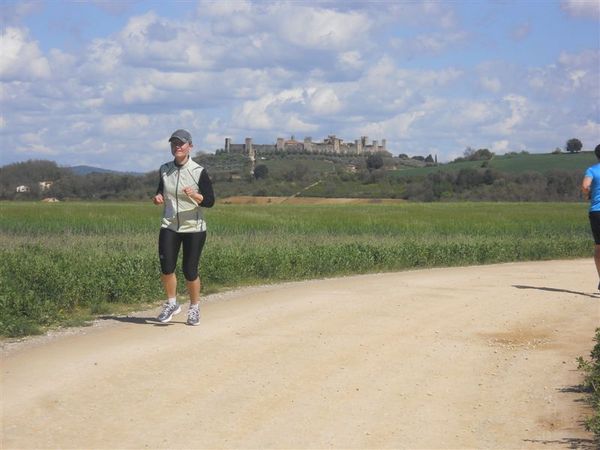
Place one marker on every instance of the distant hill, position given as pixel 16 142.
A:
pixel 514 164
pixel 84 170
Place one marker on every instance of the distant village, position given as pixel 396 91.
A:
pixel 331 145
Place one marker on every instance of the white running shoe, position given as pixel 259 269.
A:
pixel 193 316
pixel 168 312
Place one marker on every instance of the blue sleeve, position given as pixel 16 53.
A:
pixel 589 173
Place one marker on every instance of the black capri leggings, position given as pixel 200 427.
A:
pixel 170 241
pixel 595 224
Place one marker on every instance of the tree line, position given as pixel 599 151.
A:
pixel 67 185
pixel 491 185
pixel 368 179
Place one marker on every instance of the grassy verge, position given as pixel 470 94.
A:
pixel 591 384
pixel 64 263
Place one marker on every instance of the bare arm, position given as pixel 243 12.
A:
pixel 586 186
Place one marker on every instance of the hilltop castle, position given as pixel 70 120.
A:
pixel 331 145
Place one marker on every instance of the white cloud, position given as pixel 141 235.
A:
pixel 235 24
pixel 223 9
pixel 253 114
pixel 426 13
pixel 518 108
pixel 392 87
pixel 93 103
pixel 137 26
pixel 574 73
pixel 103 57
pixel 14 12
pixel 398 127
pixel 288 111
pixel 589 133
pixel 158 144
pixel 324 101
pixel 351 60
pixel 80 127
pixel 21 57
pixel 589 9
pixel 213 141
pixel 430 43
pixel 466 114
pixel 318 28
pixel 491 84
pixel 500 147
pixel 576 76
pixel 113 7
pixel 140 94
pixel 40 149
pixel 583 58
pixel 35 142
pixel 295 123
pixel 125 124
pixel 62 64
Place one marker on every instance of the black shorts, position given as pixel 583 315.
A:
pixel 170 241
pixel 595 223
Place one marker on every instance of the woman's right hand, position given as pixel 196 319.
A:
pixel 158 199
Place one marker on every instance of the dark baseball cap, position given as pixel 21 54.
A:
pixel 182 135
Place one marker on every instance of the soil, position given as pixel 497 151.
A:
pixel 453 358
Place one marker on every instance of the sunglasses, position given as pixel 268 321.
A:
pixel 177 143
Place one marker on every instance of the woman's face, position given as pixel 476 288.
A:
pixel 180 150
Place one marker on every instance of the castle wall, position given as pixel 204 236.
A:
pixel 296 147
pixel 264 148
pixel 237 148
pixel 331 145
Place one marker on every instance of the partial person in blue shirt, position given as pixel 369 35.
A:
pixel 591 189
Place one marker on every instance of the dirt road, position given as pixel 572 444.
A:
pixel 476 357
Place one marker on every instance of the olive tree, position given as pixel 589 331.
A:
pixel 573 145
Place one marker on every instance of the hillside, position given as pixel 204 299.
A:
pixel 514 164
pixel 85 170
pixel 511 177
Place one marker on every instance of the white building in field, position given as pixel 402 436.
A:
pixel 45 185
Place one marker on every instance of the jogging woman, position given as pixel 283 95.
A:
pixel 591 189
pixel 184 189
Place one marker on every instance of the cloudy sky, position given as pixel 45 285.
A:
pixel 104 83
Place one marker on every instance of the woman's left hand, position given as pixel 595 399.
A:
pixel 193 194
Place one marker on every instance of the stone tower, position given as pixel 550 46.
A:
pixel 251 154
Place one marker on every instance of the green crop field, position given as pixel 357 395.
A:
pixel 66 262
pixel 520 163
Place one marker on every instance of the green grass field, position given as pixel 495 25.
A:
pixel 543 163
pixel 64 263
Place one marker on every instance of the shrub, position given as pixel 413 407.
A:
pixel 261 171
pixel 591 384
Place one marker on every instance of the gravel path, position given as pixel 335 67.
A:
pixel 474 357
